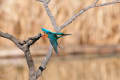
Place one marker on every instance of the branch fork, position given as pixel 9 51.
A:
pixel 25 45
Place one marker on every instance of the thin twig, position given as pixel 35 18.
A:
pixel 30 41
pixel 49 13
pixel 108 3
pixel 85 9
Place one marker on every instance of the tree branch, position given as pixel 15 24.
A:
pixel 48 56
pixel 108 3
pixel 49 13
pixel 25 45
pixel 12 38
pixel 44 1
pixel 85 9
pixel 44 62
pixel 31 66
pixel 25 48
pixel 30 41
pixel 57 29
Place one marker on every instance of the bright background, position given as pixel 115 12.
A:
pixel 88 54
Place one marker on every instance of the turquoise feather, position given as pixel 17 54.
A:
pixel 53 37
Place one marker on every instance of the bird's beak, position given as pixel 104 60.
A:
pixel 44 35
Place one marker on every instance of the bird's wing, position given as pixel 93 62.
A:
pixel 45 30
pixel 54 44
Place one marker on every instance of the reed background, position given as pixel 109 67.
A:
pixel 96 27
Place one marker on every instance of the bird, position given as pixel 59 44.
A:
pixel 53 37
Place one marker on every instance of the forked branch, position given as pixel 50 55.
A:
pixel 59 28
pixel 25 47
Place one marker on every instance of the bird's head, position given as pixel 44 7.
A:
pixel 44 35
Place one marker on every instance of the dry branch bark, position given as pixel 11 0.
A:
pixel 70 20
pixel 25 47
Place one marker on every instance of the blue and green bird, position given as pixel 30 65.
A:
pixel 53 37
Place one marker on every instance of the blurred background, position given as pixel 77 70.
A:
pixel 90 53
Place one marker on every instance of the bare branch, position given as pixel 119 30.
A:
pixel 85 9
pixel 41 0
pixel 25 48
pixel 48 56
pixel 44 62
pixel 12 38
pixel 49 13
pixel 25 45
pixel 53 21
pixel 108 3
pixel 30 41
pixel 45 1
pixel 30 63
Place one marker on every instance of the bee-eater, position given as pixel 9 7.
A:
pixel 53 37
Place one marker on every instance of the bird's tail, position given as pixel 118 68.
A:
pixel 64 35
